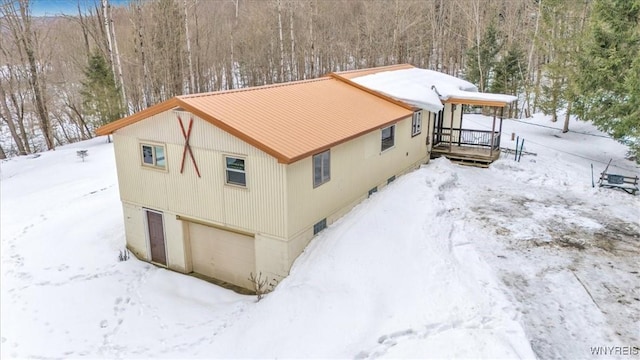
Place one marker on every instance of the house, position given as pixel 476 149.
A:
pixel 233 183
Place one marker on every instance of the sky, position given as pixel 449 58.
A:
pixel 65 7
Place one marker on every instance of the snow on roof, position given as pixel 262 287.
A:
pixel 427 89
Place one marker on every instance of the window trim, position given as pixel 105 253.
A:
pixel 416 123
pixel 323 180
pixel 393 137
pixel 227 169
pixel 154 157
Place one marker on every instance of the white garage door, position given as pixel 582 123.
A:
pixel 222 255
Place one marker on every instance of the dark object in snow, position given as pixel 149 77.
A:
pixel 82 154
pixel 124 255
pixel 509 151
pixel 629 184
pixel 519 154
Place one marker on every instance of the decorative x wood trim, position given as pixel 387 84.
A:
pixel 187 147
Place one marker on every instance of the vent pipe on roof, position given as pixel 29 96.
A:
pixel 433 87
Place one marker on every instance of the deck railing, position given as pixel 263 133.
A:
pixel 463 137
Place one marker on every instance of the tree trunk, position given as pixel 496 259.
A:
pixel 293 69
pixel 2 154
pixel 107 34
pixel 84 128
pixel 19 106
pixel 85 32
pixel 5 113
pixel 312 49
pixel 120 78
pixel 478 57
pixel 189 56
pixel 147 97
pixel 530 61
pixel 14 135
pixel 280 40
pixel 64 131
pixel 35 80
pixel 565 128
pixel 230 83
pixel 198 70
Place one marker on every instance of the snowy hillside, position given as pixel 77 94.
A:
pixel 520 260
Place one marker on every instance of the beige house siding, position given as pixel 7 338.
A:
pixel 176 237
pixel 258 208
pixel 135 230
pixel 457 116
pixel 356 167
pixel 279 206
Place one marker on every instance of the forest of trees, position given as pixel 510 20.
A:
pixel 61 77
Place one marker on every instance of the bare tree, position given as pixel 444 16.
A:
pixel 19 23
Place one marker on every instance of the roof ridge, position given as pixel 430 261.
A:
pixel 379 68
pixel 252 88
pixel 373 92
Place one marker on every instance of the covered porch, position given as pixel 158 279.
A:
pixel 462 145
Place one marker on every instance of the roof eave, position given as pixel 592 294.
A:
pixel 495 103
pixel 112 127
pixel 341 141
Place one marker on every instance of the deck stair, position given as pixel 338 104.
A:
pixel 465 159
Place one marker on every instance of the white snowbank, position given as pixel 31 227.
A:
pixel 426 88
pixel 445 262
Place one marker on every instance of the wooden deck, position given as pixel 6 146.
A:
pixel 466 155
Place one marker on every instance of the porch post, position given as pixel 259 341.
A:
pixel 453 110
pixel 429 135
pixel 460 128
pixel 500 131
pixel 493 131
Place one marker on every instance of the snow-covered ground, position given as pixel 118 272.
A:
pixel 520 260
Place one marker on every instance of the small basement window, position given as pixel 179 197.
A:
pixel 388 137
pixel 373 191
pixel 235 169
pixel 153 156
pixel 321 168
pixel 319 226
pixel 391 179
pixel 416 124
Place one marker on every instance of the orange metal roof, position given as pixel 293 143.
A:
pixel 289 121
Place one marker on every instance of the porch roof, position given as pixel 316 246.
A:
pixel 424 88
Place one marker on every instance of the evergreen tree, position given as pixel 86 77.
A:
pixel 101 96
pixel 508 72
pixel 561 22
pixel 481 58
pixel 609 82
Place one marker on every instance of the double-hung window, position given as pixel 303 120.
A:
pixel 321 168
pixel 416 123
pixel 153 156
pixel 388 137
pixel 235 169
